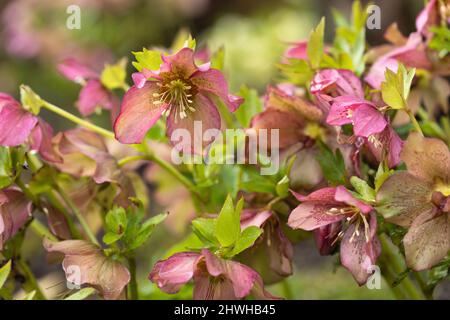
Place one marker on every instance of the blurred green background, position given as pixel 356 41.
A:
pixel 254 33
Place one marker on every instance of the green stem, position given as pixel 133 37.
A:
pixel 41 230
pixel 287 290
pixel 31 279
pixel 133 288
pixel 79 216
pixel 394 259
pixel 129 159
pixel 81 122
pixel 414 121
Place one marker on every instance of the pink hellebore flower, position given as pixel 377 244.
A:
pixel 18 126
pixel 85 263
pixel 288 113
pixel 15 209
pixel 181 91
pixel 214 278
pixel 362 114
pixel 359 246
pixel 93 94
pixel 271 255
pixel 330 83
pixel 419 200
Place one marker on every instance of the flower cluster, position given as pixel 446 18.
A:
pixel 364 163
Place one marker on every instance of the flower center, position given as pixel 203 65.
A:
pixel 178 95
pixel 354 216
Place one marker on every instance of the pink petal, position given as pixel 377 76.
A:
pixel 92 96
pixel 213 81
pixel 254 219
pixel 368 121
pixel 424 17
pixel 180 64
pixel 357 254
pixel 75 71
pixel 15 124
pixel 6 99
pixel 194 125
pixel 343 195
pixel 41 141
pixel 376 73
pixel 15 210
pixel 242 277
pixel 169 275
pixel 312 215
pixel 85 263
pixel 297 51
pixel 326 237
pixel 324 194
pixel 390 143
pixel 340 82
pixel 139 78
pixel 138 114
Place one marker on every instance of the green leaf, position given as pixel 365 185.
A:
pixel 252 181
pixel 146 230
pixel 116 220
pixel 113 75
pixel 30 100
pixel 205 230
pixel 315 44
pixel 395 89
pixel 381 176
pixel 228 226
pixel 366 192
pixel 110 238
pixel 4 273
pixel 246 239
pixel 148 59
pixel 82 294
pixel 332 164
pixel 252 105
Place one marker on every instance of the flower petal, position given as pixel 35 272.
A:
pixel 403 197
pixel 291 128
pixel 75 71
pixel 312 215
pixel 138 114
pixel 41 141
pixel 84 263
pixel 343 195
pixel 92 96
pixel 427 158
pixel 15 124
pixel 242 277
pixel 171 274
pixel 180 64
pixel 428 243
pixel 324 194
pixel 205 117
pixel 357 254
pixel 213 81
pixel 368 121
